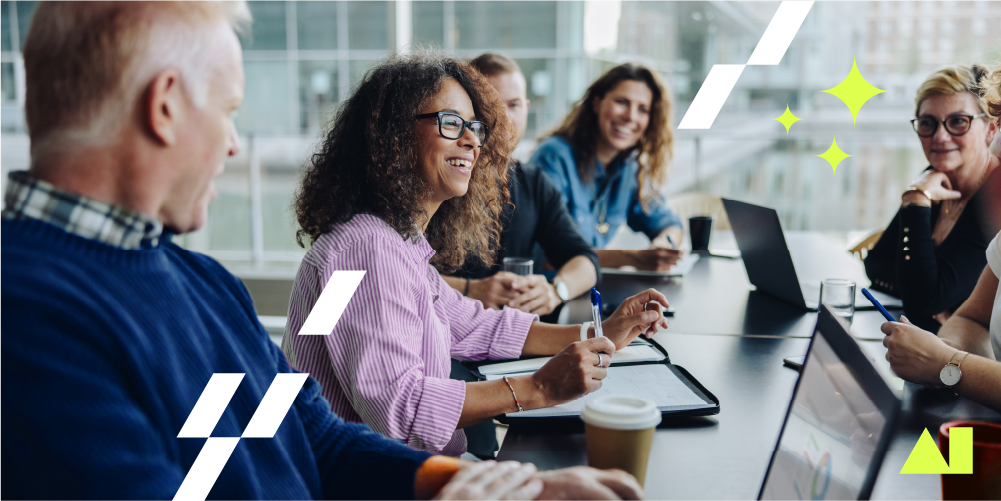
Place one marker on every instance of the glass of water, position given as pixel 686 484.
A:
pixel 519 265
pixel 838 295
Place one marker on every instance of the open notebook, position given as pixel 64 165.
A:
pixel 641 369
pixel 636 352
pixel 667 388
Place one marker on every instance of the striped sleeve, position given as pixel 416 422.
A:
pixel 376 350
pixel 479 333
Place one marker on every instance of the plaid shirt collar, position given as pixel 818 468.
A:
pixel 30 198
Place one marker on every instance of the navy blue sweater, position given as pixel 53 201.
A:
pixel 105 352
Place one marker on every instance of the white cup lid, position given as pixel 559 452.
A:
pixel 618 412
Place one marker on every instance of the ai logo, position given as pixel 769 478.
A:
pixel 926 458
pixel 273 407
pixel 722 77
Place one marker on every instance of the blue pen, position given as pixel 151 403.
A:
pixel 876 303
pixel 671 241
pixel 596 311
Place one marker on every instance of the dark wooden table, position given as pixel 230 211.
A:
pixel 733 340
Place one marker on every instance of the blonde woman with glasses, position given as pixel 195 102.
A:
pixel 933 251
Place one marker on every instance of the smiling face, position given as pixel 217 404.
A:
pixel 446 164
pixel 947 153
pixel 623 115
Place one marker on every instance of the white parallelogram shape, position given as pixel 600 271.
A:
pixel 206 468
pixel 274 406
pixel 722 77
pixel 331 303
pixel 779 33
pixel 707 103
pixel 210 405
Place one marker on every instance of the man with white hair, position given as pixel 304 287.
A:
pixel 111 331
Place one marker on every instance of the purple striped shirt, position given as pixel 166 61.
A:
pixel 387 361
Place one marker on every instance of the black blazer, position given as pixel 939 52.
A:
pixel 930 280
pixel 535 215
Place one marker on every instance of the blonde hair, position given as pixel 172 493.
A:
pixel 991 98
pixel 87 63
pixel 952 80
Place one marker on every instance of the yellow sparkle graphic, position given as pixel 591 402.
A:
pixel 787 119
pixel 854 91
pixel 834 155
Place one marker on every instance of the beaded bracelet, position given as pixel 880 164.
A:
pixel 520 409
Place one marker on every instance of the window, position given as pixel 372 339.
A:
pixel 905 27
pixel 514 25
pixel 317 25
pixel 268 30
pixel 318 93
pixel 266 104
pixel 7 81
pixel 428 23
pixel 369 26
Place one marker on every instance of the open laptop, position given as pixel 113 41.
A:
pixel 838 426
pixel 770 265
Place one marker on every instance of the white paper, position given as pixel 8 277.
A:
pixel 654 382
pixel 680 269
pixel 631 353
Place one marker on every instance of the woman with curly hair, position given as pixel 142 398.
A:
pixel 413 172
pixel 609 159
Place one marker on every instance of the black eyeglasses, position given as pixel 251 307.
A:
pixel 452 126
pixel 957 125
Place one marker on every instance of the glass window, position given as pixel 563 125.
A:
pixel 265 108
pixel 317 25
pixel 7 91
pixel 511 25
pixel 370 25
pixel 268 30
pixel 358 69
pixel 428 23
pixel 24 12
pixel 541 112
pixel 278 183
pixel 5 26
pixel 317 94
pixel 228 226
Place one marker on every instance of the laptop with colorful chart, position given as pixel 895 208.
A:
pixel 838 426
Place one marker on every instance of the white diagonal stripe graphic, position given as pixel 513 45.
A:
pixel 722 77
pixel 779 33
pixel 274 406
pixel 713 93
pixel 331 303
pixel 206 468
pixel 210 405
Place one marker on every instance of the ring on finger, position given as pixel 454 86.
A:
pixel 601 362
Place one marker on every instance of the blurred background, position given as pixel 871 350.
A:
pixel 303 58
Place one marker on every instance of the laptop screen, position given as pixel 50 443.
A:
pixel 832 433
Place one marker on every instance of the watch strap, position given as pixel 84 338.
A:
pixel 958 358
pixel 583 330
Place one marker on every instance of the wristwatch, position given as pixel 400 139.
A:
pixel 951 374
pixel 561 290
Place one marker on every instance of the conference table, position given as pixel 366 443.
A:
pixel 733 339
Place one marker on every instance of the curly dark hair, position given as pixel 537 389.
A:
pixel 368 162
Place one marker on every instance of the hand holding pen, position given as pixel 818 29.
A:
pixel 639 314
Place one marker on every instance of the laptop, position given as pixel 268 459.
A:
pixel 770 265
pixel 838 426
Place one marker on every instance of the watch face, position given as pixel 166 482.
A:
pixel 950 375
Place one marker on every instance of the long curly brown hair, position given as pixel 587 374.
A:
pixel 580 129
pixel 368 162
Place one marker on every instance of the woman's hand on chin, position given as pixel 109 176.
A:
pixel 636 315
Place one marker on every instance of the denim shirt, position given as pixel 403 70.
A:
pixel 613 191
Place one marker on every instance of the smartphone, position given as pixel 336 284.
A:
pixel 795 363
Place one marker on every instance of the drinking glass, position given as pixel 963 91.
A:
pixel 838 295
pixel 519 265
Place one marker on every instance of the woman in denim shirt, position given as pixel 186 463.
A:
pixel 609 159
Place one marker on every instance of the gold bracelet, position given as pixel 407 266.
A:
pixel 919 190
pixel 520 409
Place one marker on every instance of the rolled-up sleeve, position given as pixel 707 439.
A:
pixel 479 333
pixel 376 351
pixel 651 222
